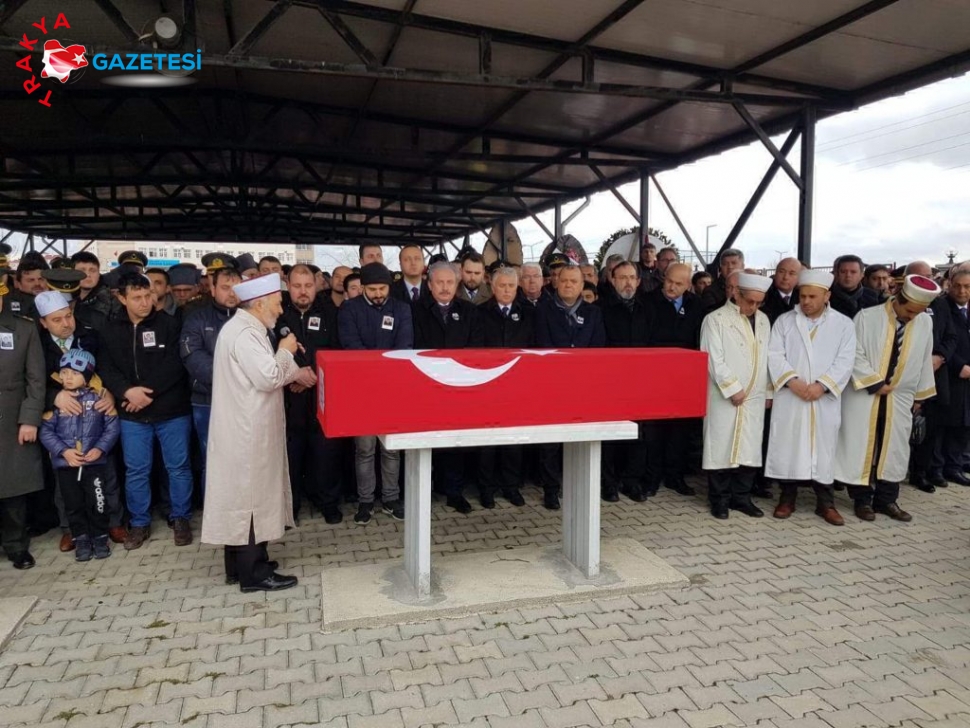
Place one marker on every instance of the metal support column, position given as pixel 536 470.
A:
pixel 503 227
pixel 557 225
pixel 806 193
pixel 644 205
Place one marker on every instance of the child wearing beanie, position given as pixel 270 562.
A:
pixel 79 447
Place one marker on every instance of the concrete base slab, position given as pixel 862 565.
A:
pixel 13 610
pixel 463 584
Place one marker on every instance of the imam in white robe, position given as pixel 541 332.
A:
pixel 247 474
pixel 803 437
pixel 875 330
pixel 737 362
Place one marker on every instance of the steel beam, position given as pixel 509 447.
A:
pixel 756 196
pixel 349 37
pixel 690 240
pixel 644 205
pixel 768 144
pixel 806 197
pixel 118 20
pixel 538 222
pixel 616 193
pixel 557 223
pixel 247 42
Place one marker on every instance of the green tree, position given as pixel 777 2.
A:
pixel 601 254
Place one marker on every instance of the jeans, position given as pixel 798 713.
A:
pixel 137 439
pixel 366 448
pixel 200 420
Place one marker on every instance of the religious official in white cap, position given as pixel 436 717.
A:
pixel 735 338
pixel 48 302
pixel 893 373
pixel 247 495
pixel 810 358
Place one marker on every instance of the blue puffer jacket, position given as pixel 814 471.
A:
pixel 61 431
pixel 200 329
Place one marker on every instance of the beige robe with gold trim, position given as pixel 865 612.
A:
pixel 737 362
pixel 913 378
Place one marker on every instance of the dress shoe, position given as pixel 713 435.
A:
pixel 181 532
pixel 720 512
pixel 513 496
pixel 610 495
pixel 680 486
pixel 917 481
pixel 137 535
pixel 838 486
pixel 487 501
pixel 958 478
pixel 634 493
pixel 333 515
pixel 118 534
pixel 895 512
pixel 748 508
pixel 938 480
pixel 926 487
pixel 784 510
pixel 23 561
pixel 67 542
pixel 830 516
pixel 459 503
pixel 273 565
pixel 762 491
pixel 550 501
pixel 273 582
pixel 864 512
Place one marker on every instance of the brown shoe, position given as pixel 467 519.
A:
pixel 830 516
pixel 67 542
pixel 182 531
pixel 864 512
pixel 118 534
pixel 895 512
pixel 137 535
pixel 784 510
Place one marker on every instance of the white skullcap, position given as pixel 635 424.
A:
pixel 920 289
pixel 820 278
pixel 257 287
pixel 50 301
pixel 753 282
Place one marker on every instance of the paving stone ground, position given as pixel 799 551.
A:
pixel 786 623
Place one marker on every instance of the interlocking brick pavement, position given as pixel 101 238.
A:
pixel 785 623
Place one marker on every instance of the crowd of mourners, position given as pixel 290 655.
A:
pixel 852 378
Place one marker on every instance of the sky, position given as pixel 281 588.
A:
pixel 892 184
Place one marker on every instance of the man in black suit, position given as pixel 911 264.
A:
pixel 956 437
pixel 716 294
pixel 507 323
pixel 676 315
pixel 411 286
pixel 444 321
pixel 626 318
pixel 782 296
pixel 849 296
pixel 927 467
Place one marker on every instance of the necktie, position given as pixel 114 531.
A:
pixel 963 312
pixel 787 299
pixel 62 344
pixel 505 311
pixel 414 293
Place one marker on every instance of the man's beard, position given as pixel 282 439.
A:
pixel 626 296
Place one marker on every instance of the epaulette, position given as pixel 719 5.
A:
pixel 25 318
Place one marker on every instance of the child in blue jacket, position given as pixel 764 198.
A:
pixel 79 447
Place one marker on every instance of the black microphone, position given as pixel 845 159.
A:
pixel 298 357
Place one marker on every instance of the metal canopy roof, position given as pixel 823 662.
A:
pixel 325 121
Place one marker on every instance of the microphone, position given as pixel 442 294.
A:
pixel 298 357
pixel 284 332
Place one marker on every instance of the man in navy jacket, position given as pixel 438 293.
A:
pixel 375 320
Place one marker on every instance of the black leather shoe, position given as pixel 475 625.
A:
pixel 514 497
pixel 748 509
pixel 459 503
pixel 273 565
pixel 938 480
pixel 487 501
pixel 23 561
pixel 680 486
pixel 273 582
pixel 610 495
pixel 634 493
pixel 720 512
pixel 958 478
pixel 551 501
pixel 762 491
pixel 332 515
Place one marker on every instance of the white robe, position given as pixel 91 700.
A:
pixel 247 474
pixel 913 378
pixel 803 437
pixel 737 362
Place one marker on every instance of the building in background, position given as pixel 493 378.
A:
pixel 164 255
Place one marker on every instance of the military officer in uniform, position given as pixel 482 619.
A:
pixel 21 409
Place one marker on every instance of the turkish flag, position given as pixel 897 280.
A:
pixel 387 392
pixel 60 62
